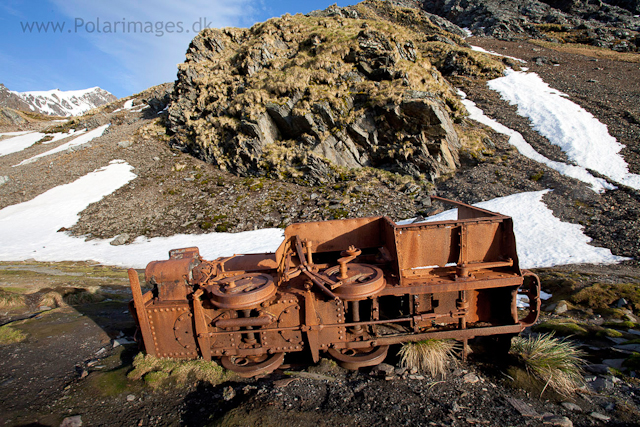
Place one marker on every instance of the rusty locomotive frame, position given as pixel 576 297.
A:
pixel 349 288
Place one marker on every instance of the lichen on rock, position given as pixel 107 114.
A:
pixel 299 97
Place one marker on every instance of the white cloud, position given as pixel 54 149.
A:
pixel 147 58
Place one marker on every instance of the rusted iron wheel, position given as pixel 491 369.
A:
pixel 242 291
pixel 350 358
pixel 250 366
pixel 363 281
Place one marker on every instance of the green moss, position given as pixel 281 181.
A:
pixel 155 379
pixel 158 371
pixel 561 327
pixel 626 324
pixel 9 335
pixel 606 332
pixel 600 296
pixel 537 176
pixel 112 383
pixel 223 227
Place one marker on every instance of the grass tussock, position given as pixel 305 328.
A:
pixel 551 361
pixel 10 299
pixel 433 357
pixel 159 371
pixel 9 335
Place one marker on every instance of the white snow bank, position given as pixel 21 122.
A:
pixel 585 139
pixel 19 143
pixel 542 239
pixel 29 229
pixel 490 52
pixel 15 133
pixel 517 140
pixel 468 32
pixel 62 135
pixel 80 140
pixel 128 105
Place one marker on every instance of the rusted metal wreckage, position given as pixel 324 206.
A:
pixel 350 288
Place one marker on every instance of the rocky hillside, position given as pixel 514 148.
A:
pixel 610 24
pixel 306 97
pixel 55 102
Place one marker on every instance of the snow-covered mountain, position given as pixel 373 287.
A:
pixel 55 102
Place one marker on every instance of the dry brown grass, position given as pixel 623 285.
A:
pixel 590 51
pixel 555 363
pixel 11 299
pixel 433 357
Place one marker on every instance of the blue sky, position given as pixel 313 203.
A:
pixel 123 61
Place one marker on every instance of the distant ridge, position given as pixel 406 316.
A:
pixel 55 102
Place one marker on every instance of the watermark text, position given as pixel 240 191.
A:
pixel 124 26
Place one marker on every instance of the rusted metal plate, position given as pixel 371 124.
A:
pixel 347 287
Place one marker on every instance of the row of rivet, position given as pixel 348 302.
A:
pixel 178 354
pixel 297 347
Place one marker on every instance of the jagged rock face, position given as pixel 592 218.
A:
pixel 609 24
pixel 300 97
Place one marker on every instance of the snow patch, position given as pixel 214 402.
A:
pixel 584 139
pixel 490 52
pixel 15 133
pixel 80 140
pixel 59 136
pixel 19 143
pixel 29 229
pixel 542 239
pixel 517 140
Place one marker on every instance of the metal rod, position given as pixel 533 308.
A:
pixel 355 317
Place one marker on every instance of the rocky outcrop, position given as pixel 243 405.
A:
pixel 157 97
pixel 609 24
pixel 10 117
pixel 302 96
